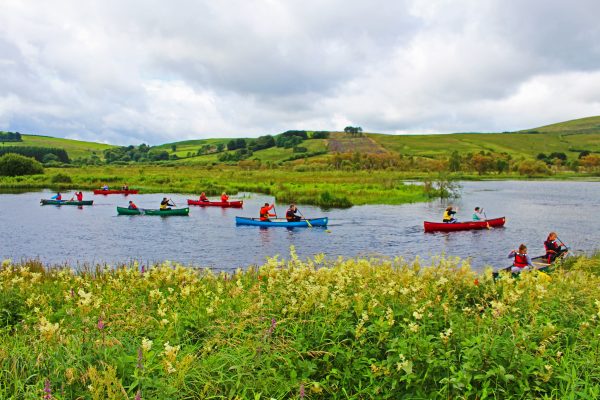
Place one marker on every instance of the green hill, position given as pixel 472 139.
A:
pixel 75 148
pixel 569 137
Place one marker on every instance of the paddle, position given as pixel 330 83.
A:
pixel 275 211
pixel 307 221
pixel 486 220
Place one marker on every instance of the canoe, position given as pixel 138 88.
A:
pixel 115 191
pixel 224 204
pixel 66 202
pixel 462 226
pixel 127 211
pixel 540 263
pixel 302 223
pixel 164 213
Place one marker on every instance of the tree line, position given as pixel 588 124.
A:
pixel 10 137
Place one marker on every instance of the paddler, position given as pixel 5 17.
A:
pixel 79 196
pixel 522 261
pixel 203 197
pixel 264 212
pixel 166 204
pixel 132 205
pixel 290 214
pixel 553 249
pixel 224 197
pixel 479 214
pixel 448 215
pixel 57 197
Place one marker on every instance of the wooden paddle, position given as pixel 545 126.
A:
pixel 486 220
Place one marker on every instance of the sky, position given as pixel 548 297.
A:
pixel 153 71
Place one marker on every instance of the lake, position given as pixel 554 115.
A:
pixel 210 238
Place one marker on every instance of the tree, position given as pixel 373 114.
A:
pixel 454 161
pixel 174 147
pixel 17 165
pixel 220 147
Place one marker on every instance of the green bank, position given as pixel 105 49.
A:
pixel 314 328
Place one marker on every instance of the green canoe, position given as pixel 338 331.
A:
pixel 67 202
pixel 127 211
pixel 164 213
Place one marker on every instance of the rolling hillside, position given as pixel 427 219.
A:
pixel 75 148
pixel 569 137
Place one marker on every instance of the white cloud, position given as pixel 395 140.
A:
pixel 127 72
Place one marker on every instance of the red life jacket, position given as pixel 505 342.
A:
pixel 520 260
pixel 79 196
pixel 224 198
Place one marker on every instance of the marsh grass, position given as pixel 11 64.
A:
pixel 316 328
pixel 322 188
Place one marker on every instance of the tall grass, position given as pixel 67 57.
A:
pixel 322 188
pixel 313 329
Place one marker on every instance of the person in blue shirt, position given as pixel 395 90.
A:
pixel 57 197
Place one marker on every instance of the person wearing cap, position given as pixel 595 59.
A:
pixel 290 214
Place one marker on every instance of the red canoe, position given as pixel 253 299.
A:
pixel 461 226
pixel 224 204
pixel 130 191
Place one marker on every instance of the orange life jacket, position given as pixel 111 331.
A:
pixel 264 212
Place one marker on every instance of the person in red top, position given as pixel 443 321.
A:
pixel 224 197
pixel 522 260
pixel 203 197
pixel 264 212
pixel 79 196
pixel 132 205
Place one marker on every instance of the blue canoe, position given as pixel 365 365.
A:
pixel 303 223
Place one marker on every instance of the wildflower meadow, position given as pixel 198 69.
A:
pixel 314 329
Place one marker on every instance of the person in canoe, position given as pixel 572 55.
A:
pixel 224 197
pixel 264 212
pixel 77 195
pixel 132 205
pixel 553 249
pixel 125 187
pixel 57 197
pixel 448 215
pixel 166 204
pixel 203 197
pixel 478 214
pixel 522 261
pixel 105 187
pixel 290 214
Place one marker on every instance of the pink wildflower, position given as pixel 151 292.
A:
pixel 47 390
pixel 100 324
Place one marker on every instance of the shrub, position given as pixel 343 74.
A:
pixel 16 165
pixel 61 178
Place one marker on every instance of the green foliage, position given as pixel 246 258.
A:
pixel 36 152
pixel 235 144
pixel 320 135
pixel 17 165
pixel 61 178
pixel 262 142
pixel 10 137
pixel 351 328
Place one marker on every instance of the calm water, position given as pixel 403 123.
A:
pixel 209 237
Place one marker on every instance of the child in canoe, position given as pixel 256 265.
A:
pixel 553 249
pixel 448 215
pixel 522 261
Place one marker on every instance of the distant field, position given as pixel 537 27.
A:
pixel 75 148
pixel 570 137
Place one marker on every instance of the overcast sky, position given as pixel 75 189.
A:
pixel 156 71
